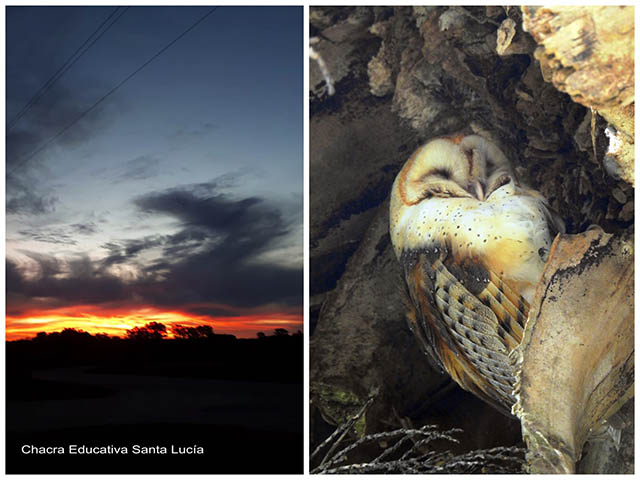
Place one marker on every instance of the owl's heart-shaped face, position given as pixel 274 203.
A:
pixel 455 167
pixel 473 244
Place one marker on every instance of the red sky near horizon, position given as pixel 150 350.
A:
pixel 117 322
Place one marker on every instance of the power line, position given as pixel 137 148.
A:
pixel 110 92
pixel 66 66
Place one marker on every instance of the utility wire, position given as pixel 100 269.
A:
pixel 66 66
pixel 109 93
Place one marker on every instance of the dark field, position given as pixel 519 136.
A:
pixel 239 400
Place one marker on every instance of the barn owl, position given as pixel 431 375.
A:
pixel 473 243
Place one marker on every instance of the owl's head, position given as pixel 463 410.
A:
pixel 461 166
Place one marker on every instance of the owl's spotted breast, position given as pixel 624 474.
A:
pixel 473 244
pixel 509 233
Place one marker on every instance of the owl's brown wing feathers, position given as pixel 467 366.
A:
pixel 512 310
pixel 469 318
pixel 416 311
pixel 414 319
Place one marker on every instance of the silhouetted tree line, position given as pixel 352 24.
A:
pixel 152 331
pixel 194 351
pixel 280 332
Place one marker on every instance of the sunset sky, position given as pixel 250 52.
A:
pixel 179 198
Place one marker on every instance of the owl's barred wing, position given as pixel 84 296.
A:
pixel 415 319
pixel 484 296
pixel 469 318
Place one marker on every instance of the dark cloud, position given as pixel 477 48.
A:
pixel 87 228
pixel 55 237
pixel 139 168
pixel 49 116
pixel 116 255
pixel 215 212
pixel 126 250
pixel 47 265
pixel 13 277
pixel 30 203
pixel 210 260
pixel 25 195
pixel 60 235
pixel 203 130
pixel 30 63
pixel 225 269
pixel 220 184
pixel 211 277
pixel 217 311
pixel 57 284
pixel 46 118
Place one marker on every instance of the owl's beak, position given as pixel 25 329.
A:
pixel 478 190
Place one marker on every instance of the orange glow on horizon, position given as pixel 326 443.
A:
pixel 118 321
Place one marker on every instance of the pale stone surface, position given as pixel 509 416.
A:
pixel 588 52
pixel 575 361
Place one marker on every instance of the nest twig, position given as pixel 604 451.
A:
pixel 409 450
